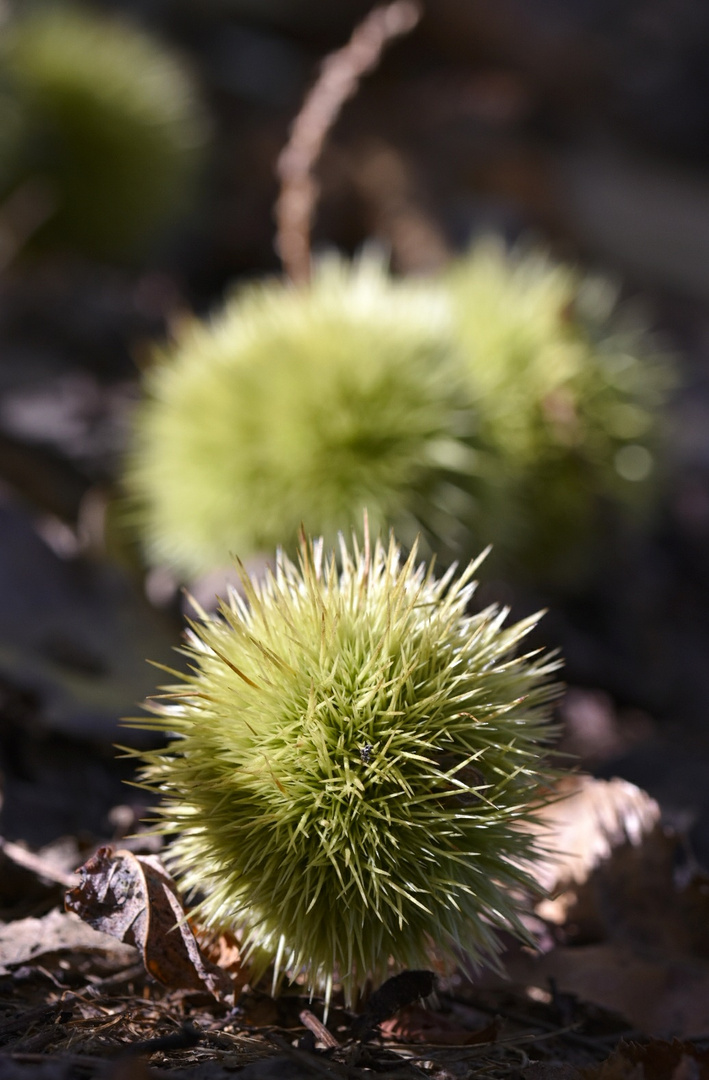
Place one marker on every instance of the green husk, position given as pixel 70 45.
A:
pixel 350 760
pixel 306 405
pixel 510 400
pixel 567 384
pixel 107 119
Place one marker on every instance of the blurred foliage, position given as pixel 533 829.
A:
pixel 105 119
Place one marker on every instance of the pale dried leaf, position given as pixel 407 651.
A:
pixel 25 941
pixel 589 820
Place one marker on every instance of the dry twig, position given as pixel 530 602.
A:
pixel 338 80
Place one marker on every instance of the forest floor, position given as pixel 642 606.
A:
pixel 445 141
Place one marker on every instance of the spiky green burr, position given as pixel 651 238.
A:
pixel 510 399
pixel 303 404
pixel 106 118
pixel 351 759
pixel 567 385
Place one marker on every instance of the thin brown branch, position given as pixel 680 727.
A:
pixel 339 79
pixel 318 1029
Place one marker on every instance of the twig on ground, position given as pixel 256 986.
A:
pixel 311 1022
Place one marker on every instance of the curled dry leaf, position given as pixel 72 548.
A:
pixel 581 830
pixel 133 898
pixel 631 937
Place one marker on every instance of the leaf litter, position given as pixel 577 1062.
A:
pixel 78 1002
pixel 627 914
pixel 133 898
pixel 132 985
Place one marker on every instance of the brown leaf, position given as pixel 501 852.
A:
pixel 394 994
pixel 221 949
pixel 616 877
pixel 654 1060
pixel 416 1024
pixel 658 992
pixel 631 937
pixel 133 898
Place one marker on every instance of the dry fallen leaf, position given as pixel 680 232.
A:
pixel 593 824
pixel 660 993
pixel 613 875
pixel 629 937
pixel 416 1024
pixel 25 941
pixel 133 898
pixel 589 820
pixel 396 993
